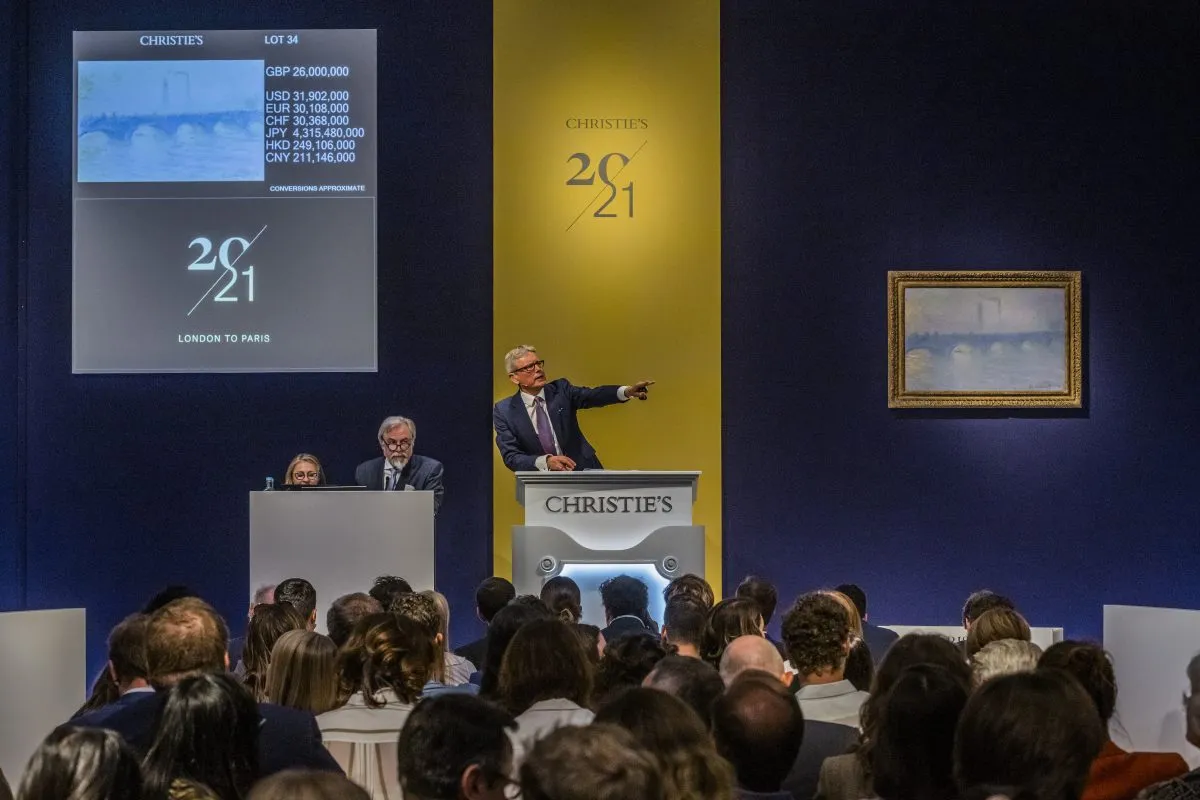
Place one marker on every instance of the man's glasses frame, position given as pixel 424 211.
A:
pixel 541 362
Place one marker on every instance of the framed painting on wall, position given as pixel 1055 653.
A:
pixel 985 339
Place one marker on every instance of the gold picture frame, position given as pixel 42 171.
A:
pixel 985 339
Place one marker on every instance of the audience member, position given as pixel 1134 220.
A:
pixel 381 672
pixel 1115 774
pixel 345 613
pixel 626 607
pixel 457 670
pixel 455 747
pixel 532 601
pixel 491 595
pixel 125 673
pixel 1004 657
pixel 387 588
pixel 264 629
pixel 877 638
pixel 296 784
pixel 766 597
pixel 980 603
pixel 856 625
pixel 304 470
pixel 1033 733
pixel 860 666
pixel 816 633
pixel 994 626
pixel 167 595
pixel 752 653
pixel 599 762
pixel 422 611
pixel 1185 787
pixel 683 626
pixel 593 642
pixel 82 764
pixel 758 728
pixel 691 680
pixel 186 638
pixel 545 680
pixel 303 672
pixel 848 777
pixel 300 595
pixel 670 731
pixel 626 663
pixel 692 587
pixel 208 733
pixel 729 619
pixel 264 594
pixel 561 596
pixel 912 754
pixel 503 628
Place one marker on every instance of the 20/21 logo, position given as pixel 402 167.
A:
pixel 228 260
pixel 608 168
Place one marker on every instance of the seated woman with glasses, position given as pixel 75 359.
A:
pixel 304 470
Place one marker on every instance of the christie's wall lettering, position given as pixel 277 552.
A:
pixel 624 504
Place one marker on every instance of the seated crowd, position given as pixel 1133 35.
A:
pixel 546 707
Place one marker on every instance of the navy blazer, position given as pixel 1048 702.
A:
pixel 518 441
pixel 878 641
pixel 288 738
pixel 822 740
pixel 421 472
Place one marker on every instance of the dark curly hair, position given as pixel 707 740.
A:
pixel 624 595
pixel 729 619
pixel 626 662
pixel 816 630
pixel 1091 666
pixel 692 586
pixel 384 652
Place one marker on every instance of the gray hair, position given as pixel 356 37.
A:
pixel 755 652
pixel 262 592
pixel 1004 657
pixel 520 351
pixel 392 422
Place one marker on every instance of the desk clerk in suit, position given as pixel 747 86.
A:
pixel 399 468
pixel 537 429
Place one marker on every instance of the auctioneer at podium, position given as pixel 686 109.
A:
pixel 537 428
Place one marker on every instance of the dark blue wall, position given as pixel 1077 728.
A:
pixel 864 136
pixel 858 137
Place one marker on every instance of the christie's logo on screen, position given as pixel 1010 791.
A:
pixel 625 504
pixel 166 40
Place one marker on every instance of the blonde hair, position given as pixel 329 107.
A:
pixel 303 672
pixel 856 627
pixel 994 625
pixel 291 468
pixel 1003 657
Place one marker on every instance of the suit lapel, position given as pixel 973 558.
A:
pixel 522 425
pixel 554 407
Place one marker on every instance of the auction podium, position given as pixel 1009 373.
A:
pixel 340 541
pixel 595 524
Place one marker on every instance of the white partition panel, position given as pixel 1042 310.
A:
pixel 43 679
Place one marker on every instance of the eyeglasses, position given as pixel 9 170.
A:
pixel 403 444
pixel 306 475
pixel 541 362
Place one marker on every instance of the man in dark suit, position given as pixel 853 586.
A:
pixel 878 639
pixel 537 428
pixel 126 666
pixel 491 595
pixel 399 468
pixel 626 608
pixel 187 637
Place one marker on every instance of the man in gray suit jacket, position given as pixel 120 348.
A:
pixel 399 468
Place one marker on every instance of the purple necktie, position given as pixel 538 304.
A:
pixel 544 432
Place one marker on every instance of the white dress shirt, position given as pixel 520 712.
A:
pixel 458 670
pixel 363 741
pixel 543 717
pixel 528 400
pixel 838 702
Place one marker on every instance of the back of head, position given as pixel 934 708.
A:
pixel 387 588
pixel 207 732
pixel 994 625
pixel 345 613
pixel 501 630
pixel 851 611
pixel 300 595
pixel 981 602
pixel 856 595
pixel 1036 732
pixel 626 663
pixel 127 649
pixel 545 660
pixel 303 672
pixel 693 681
pixel 624 596
pixel 184 637
pixel 447 735
pixel 691 586
pixel 758 728
pixel 298 784
pixel 762 592
pixel 442 605
pixel 1091 666
pixel 912 756
pixel 816 631
pixel 1004 657
pixel 385 653
pixel 264 629
pixel 167 595
pixel 561 596
pixel 860 665
pixel 684 621
pixel 599 762
pixel 750 653
pixel 82 764
pixel 676 737
pixel 729 619
pixel 493 594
